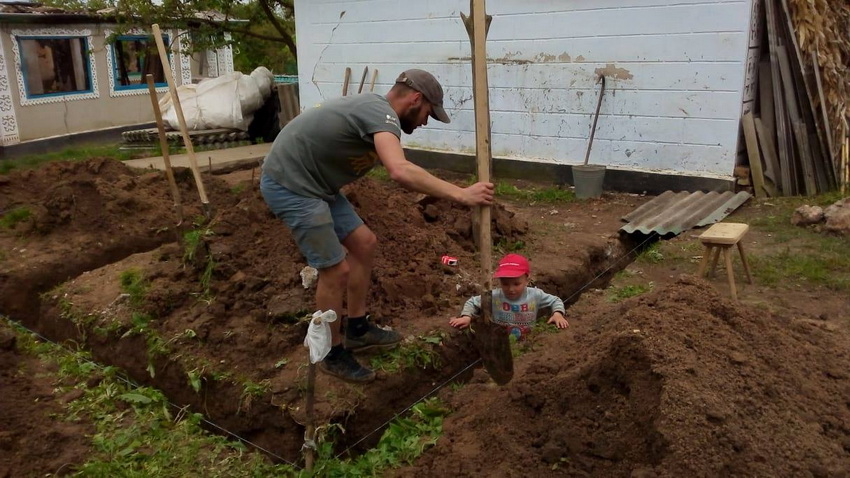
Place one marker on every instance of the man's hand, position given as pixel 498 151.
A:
pixel 460 322
pixel 479 194
pixel 559 320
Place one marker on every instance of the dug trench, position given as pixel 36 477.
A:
pixel 216 321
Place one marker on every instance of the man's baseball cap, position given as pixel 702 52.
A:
pixel 512 265
pixel 425 83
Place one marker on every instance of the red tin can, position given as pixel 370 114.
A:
pixel 449 260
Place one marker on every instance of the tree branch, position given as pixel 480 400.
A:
pixel 287 38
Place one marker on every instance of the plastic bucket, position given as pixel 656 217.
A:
pixel 588 180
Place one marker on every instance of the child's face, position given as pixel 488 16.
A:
pixel 513 287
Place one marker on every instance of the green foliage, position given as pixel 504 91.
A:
pixel 504 246
pixel 136 433
pixel 651 255
pixel 134 284
pixel 192 241
pixel 403 441
pixel 549 195
pixel 77 153
pixel 195 377
pixel 618 294
pixel 238 189
pixel 418 353
pixel 380 173
pixel 12 217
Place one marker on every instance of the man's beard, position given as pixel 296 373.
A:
pixel 408 121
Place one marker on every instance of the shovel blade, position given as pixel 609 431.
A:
pixel 491 341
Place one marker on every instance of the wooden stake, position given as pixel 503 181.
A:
pixel 187 142
pixel 166 159
pixel 374 77
pixel 490 339
pixel 310 431
pixel 346 81
pixel 362 80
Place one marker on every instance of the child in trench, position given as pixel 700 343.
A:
pixel 515 305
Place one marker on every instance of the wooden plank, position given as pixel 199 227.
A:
pixel 787 182
pixel 823 109
pixel 768 114
pixel 753 154
pixel 771 170
pixel 806 94
pixel 797 125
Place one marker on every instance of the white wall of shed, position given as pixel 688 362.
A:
pixel 674 68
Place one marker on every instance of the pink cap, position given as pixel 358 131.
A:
pixel 512 265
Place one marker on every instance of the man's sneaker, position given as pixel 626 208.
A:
pixel 345 367
pixel 374 337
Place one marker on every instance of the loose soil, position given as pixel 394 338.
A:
pixel 677 381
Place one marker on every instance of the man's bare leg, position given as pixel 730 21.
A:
pixel 329 294
pixel 361 245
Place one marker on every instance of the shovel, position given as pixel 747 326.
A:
pixel 490 339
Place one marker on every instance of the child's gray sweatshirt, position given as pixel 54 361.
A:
pixel 521 312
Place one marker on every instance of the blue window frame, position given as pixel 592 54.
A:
pixel 134 57
pixel 55 65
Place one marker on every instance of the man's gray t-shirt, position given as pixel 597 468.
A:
pixel 326 147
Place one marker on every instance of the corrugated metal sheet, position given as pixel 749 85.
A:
pixel 672 213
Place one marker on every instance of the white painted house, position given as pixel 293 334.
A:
pixel 675 74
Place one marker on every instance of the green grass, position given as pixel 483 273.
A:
pixel 138 433
pixel 134 284
pixel 621 293
pixel 380 173
pixel 827 264
pixel 550 195
pixel 402 442
pixel 419 353
pixel 77 153
pixel 14 216
pixel 804 255
pixel 652 254
pixel 505 246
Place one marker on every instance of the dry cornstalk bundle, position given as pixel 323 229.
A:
pixel 823 29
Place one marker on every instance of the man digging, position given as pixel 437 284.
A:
pixel 322 150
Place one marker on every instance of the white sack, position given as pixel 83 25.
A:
pixel 228 101
pixel 318 338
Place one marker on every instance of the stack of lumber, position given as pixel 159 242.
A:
pixel 796 143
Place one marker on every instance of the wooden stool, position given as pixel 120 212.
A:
pixel 724 235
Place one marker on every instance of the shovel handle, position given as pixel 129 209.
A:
pixel 595 119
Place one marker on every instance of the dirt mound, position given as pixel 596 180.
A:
pixel 677 382
pixel 228 318
pixel 258 264
pixel 32 441
pixel 77 216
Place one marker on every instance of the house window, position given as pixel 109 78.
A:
pixel 55 66
pixel 134 57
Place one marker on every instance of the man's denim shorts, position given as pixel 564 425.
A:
pixel 318 226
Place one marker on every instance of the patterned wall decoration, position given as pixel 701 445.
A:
pixel 225 56
pixel 53 32
pixel 185 57
pixel 8 120
pixel 110 55
pixel 212 63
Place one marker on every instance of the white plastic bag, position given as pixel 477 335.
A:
pixel 227 101
pixel 318 338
